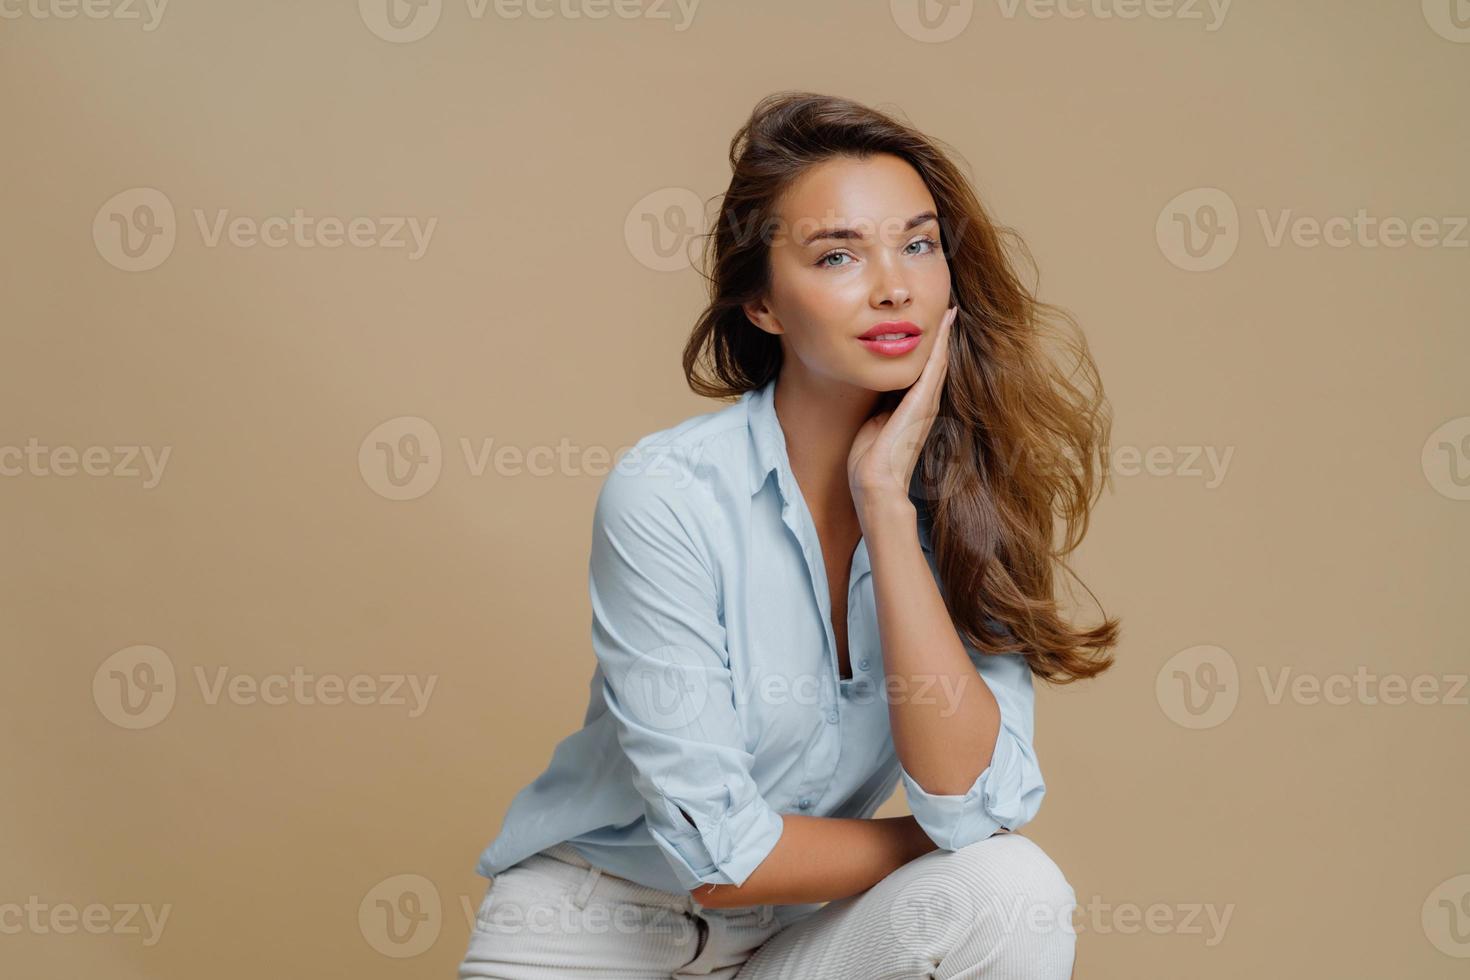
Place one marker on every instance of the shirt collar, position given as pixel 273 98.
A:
pixel 768 443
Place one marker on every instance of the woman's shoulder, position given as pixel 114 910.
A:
pixel 676 471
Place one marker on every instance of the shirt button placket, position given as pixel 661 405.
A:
pixel 822 761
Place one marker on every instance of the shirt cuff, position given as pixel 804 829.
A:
pixel 725 850
pixel 992 802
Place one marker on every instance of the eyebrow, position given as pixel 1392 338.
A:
pixel 846 233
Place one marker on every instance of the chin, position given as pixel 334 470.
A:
pixel 891 377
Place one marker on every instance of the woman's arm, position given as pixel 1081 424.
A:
pixel 944 742
pixel 966 760
pixel 822 859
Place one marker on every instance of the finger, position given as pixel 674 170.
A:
pixel 941 344
pixel 939 356
pixel 931 378
pixel 919 406
pixel 923 394
pixel 945 341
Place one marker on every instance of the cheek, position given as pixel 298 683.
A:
pixel 825 302
pixel 824 317
pixel 936 279
pixel 814 307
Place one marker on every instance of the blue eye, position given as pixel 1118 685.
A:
pixel 925 241
pixel 824 264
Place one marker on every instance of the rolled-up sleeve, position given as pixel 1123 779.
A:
pixel 658 634
pixel 1008 793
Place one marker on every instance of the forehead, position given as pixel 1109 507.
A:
pixel 844 190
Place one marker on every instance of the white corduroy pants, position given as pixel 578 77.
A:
pixel 999 909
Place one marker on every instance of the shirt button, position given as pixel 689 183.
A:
pixel 832 716
pixel 863 664
pixel 805 804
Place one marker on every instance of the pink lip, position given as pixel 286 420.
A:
pixel 891 348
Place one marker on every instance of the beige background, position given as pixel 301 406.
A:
pixel 1332 835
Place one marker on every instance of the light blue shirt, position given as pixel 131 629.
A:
pixel 716 690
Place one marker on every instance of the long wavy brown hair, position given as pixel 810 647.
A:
pixel 1023 426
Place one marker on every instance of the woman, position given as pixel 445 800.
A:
pixel 796 599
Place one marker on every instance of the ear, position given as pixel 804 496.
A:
pixel 759 314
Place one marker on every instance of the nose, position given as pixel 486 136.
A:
pixel 890 289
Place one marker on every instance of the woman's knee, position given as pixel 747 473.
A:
pixel 1011 905
pixel 1006 879
pixel 1015 869
pixel 1021 866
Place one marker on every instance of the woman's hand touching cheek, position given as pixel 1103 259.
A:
pixel 885 450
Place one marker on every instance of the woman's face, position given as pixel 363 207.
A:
pixel 856 246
